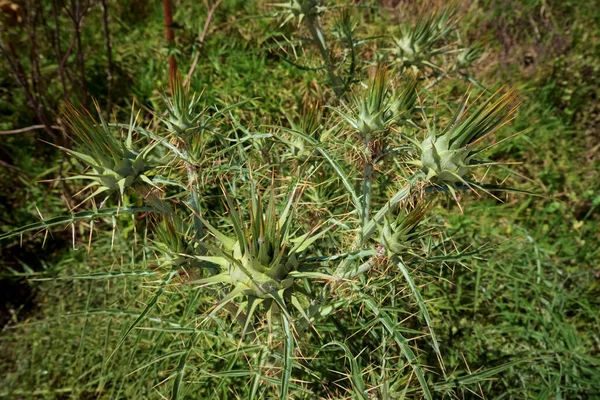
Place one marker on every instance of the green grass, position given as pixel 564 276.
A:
pixel 510 288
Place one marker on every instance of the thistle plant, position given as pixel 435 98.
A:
pixel 372 114
pixel 224 256
pixel 374 110
pixel 380 106
pixel 183 109
pixel 400 229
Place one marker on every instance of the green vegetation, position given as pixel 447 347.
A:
pixel 370 201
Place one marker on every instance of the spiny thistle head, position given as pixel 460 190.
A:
pixel 399 230
pixel 301 9
pixel 447 156
pixel 262 260
pixel 467 56
pixel 379 106
pixel 370 110
pixel 344 26
pixel 417 44
pixel 374 108
pixel 183 109
pixel 173 241
pixel 115 162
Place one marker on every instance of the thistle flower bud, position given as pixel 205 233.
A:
pixel 116 164
pixel 441 163
pixel 398 231
pixel 183 111
pixel 447 156
pixel 377 108
pixel 260 260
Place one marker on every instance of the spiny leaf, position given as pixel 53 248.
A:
pixel 402 342
pixel 422 307
pixel 101 275
pixel 355 372
pixel 286 376
pixel 82 215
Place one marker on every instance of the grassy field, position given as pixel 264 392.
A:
pixel 510 284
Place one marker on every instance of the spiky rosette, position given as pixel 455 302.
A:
pixel 380 106
pixel 300 9
pixel 263 259
pixel 416 45
pixel 399 230
pixel 183 109
pixel 448 156
pixel 115 163
pixel 173 241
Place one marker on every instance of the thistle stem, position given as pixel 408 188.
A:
pixel 371 226
pixel 316 31
pixel 343 271
pixel 194 200
pixel 366 194
pixel 168 13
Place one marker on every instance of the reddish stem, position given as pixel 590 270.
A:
pixel 168 11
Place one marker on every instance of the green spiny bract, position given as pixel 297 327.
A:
pixel 379 107
pixel 398 231
pixel 301 9
pixel 447 156
pixel 116 164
